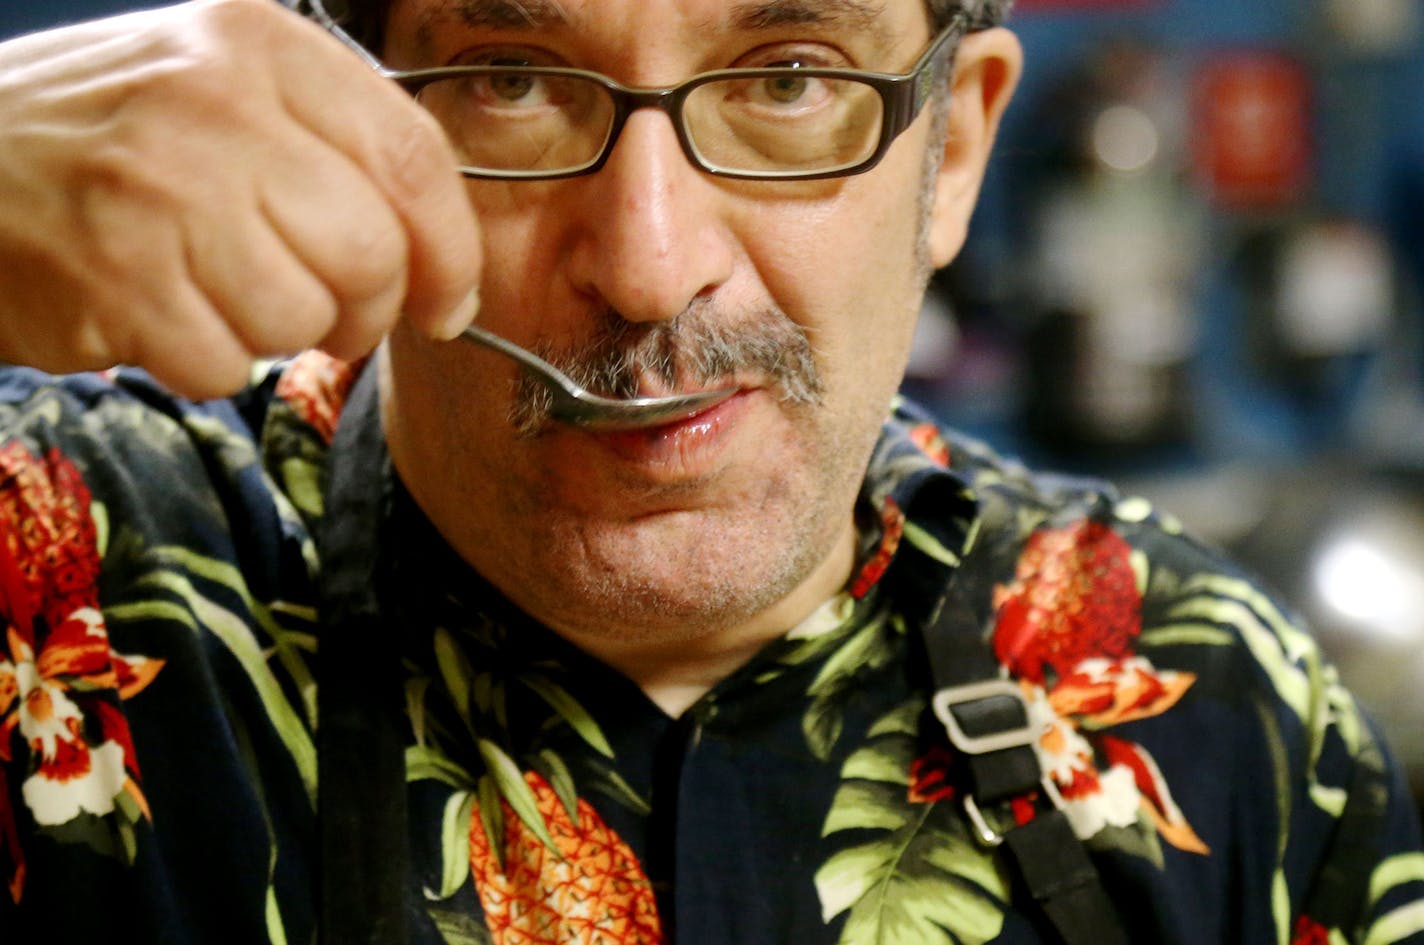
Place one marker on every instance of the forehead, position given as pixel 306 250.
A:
pixel 880 21
pixel 530 14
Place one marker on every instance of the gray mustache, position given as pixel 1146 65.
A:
pixel 696 347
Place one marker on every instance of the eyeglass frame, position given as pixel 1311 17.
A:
pixel 902 96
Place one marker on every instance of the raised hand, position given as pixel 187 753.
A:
pixel 190 188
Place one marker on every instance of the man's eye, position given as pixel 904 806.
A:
pixel 511 87
pixel 789 89
pixel 515 87
pixel 785 89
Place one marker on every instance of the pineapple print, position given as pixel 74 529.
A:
pixel 588 889
pixel 546 867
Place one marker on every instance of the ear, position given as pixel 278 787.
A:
pixel 986 69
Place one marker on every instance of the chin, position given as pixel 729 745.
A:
pixel 703 580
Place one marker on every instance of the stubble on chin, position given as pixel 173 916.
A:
pixel 691 577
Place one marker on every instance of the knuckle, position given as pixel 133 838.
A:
pixel 118 199
pixel 417 157
pixel 207 71
pixel 196 363
pixel 65 342
pixel 86 346
pixel 374 257
pixel 239 20
pixel 227 10
pixel 297 321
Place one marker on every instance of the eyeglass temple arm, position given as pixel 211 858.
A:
pixel 328 23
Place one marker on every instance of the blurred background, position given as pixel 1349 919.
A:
pixel 1198 269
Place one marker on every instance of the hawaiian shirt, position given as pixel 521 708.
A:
pixel 158 589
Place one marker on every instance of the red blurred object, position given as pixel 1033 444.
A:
pixel 1251 130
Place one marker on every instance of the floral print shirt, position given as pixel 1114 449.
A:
pixel 158 587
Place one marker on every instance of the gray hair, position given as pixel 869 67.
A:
pixel 980 14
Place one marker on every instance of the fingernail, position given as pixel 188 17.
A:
pixel 460 316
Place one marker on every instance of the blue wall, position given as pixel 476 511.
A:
pixel 23 16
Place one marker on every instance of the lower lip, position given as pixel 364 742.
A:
pixel 685 447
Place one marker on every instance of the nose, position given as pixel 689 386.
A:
pixel 651 239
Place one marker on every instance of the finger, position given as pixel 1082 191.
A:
pixel 270 298
pixel 189 347
pixel 124 293
pixel 445 253
pixel 404 152
pixel 331 218
pixel 163 320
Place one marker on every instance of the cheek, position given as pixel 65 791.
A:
pixel 521 256
pixel 849 271
pixel 452 401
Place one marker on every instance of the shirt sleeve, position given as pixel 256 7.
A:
pixel 1368 886
pixel 157 769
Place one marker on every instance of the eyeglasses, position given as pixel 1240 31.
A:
pixel 514 121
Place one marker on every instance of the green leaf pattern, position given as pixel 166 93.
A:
pixel 920 878
pixel 494 778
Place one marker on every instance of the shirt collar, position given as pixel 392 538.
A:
pixel 918 510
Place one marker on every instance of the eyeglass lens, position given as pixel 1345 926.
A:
pixel 529 121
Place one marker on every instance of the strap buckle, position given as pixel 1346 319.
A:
pixel 993 838
pixel 947 698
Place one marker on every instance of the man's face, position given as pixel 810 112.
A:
pixel 717 522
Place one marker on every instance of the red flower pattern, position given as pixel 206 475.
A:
pixel 1066 628
pixel 315 385
pixel 931 442
pixel 1074 596
pixel 929 776
pixel 1309 932
pixel 892 522
pixel 59 679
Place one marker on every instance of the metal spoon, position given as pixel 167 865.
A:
pixel 577 406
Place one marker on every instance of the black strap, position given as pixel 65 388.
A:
pixel 1055 868
pixel 360 738
pixel 987 720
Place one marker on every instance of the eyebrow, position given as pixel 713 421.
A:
pixel 518 14
pixel 866 17
pixel 768 14
pixel 498 14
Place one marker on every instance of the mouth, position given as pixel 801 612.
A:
pixel 643 412
pixel 640 369
pixel 684 447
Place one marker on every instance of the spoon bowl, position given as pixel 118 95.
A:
pixel 577 406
